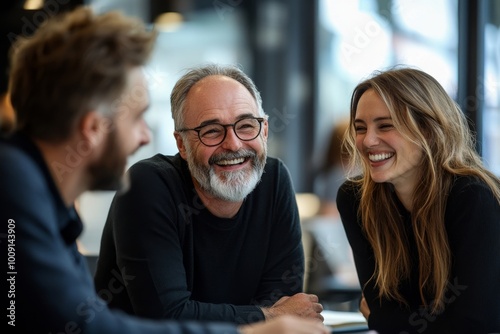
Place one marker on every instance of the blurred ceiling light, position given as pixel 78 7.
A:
pixel 169 21
pixel 33 4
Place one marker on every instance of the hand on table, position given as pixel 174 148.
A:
pixel 286 325
pixel 301 304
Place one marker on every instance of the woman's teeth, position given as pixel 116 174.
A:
pixel 379 157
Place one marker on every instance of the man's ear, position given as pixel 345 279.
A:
pixel 180 145
pixel 265 129
pixel 93 127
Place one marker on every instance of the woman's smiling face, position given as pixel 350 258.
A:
pixel 389 156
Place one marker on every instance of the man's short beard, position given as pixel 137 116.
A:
pixel 108 172
pixel 232 186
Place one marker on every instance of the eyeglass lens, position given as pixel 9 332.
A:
pixel 245 129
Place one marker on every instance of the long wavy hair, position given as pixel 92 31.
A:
pixel 421 111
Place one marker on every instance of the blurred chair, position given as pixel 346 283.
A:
pixel 330 270
pixel 308 205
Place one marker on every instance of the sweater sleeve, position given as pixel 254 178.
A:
pixel 473 224
pixel 149 223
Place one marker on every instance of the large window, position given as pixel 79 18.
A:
pixel 491 82
pixel 357 37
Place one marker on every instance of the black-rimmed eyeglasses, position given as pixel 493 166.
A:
pixel 213 134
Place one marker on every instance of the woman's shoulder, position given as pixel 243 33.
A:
pixel 472 192
pixel 469 184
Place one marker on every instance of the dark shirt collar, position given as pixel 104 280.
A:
pixel 70 224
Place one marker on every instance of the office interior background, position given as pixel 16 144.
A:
pixel 306 57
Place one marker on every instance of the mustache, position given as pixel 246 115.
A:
pixel 243 153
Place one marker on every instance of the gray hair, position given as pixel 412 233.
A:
pixel 194 75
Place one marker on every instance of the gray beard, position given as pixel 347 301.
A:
pixel 231 186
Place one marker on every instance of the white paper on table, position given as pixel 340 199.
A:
pixel 341 318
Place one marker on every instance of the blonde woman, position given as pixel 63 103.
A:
pixel 423 218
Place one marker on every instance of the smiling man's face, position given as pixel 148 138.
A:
pixel 232 169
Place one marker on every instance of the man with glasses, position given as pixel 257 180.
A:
pixel 212 233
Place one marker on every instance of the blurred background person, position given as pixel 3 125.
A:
pixel 332 172
pixel 7 116
pixel 9 16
